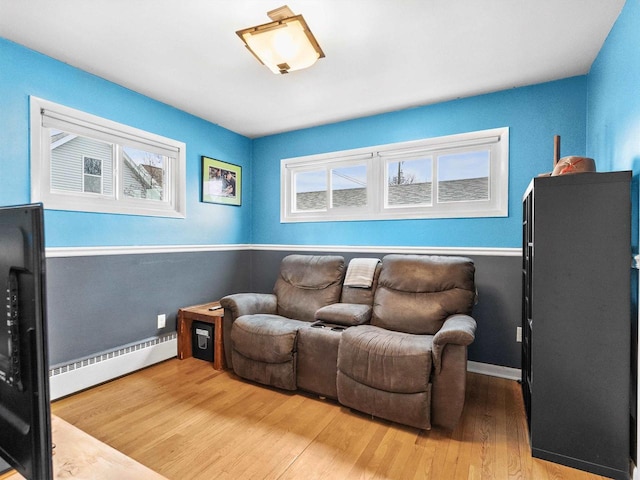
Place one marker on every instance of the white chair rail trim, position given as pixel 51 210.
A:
pixel 58 252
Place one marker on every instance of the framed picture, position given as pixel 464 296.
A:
pixel 221 182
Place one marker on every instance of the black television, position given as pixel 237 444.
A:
pixel 25 412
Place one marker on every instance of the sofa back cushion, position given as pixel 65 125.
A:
pixel 307 283
pixel 361 295
pixel 416 293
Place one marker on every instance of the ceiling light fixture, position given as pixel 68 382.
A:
pixel 284 45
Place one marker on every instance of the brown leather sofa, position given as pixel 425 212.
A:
pixel 396 349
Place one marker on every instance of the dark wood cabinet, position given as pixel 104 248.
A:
pixel 576 320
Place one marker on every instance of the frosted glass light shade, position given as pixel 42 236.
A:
pixel 283 46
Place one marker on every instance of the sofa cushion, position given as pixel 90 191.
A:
pixel 280 375
pixel 266 338
pixel 386 360
pixel 307 283
pixel 345 314
pixel 412 409
pixel 416 293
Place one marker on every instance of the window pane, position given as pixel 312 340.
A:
pixel 73 156
pixel 92 175
pixel 409 182
pixel 349 186
pixel 143 174
pixel 311 190
pixel 463 176
pixel 92 184
pixel 92 166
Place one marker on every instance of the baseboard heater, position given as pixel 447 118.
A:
pixel 82 374
pixel 88 372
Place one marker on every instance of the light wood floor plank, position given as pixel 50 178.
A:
pixel 189 422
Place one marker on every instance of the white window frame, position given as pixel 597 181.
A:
pixel 496 141
pixel 45 115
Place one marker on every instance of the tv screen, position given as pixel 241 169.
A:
pixel 25 421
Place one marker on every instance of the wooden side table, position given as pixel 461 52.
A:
pixel 203 313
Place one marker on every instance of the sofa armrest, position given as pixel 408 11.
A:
pixel 348 314
pixel 249 303
pixel 458 330
pixel 240 304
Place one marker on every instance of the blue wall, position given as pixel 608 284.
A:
pixel 613 92
pixel 613 116
pixel 613 136
pixel 24 73
pixel 534 115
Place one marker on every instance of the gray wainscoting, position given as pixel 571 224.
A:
pixel 97 303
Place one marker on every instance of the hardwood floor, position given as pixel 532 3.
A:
pixel 187 421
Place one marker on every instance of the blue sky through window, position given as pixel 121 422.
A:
pixel 315 181
pixel 142 157
pixel 419 170
pixel 344 178
pixel 459 166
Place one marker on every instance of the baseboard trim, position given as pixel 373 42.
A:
pixel 74 377
pixel 494 370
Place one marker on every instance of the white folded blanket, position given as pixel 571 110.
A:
pixel 360 272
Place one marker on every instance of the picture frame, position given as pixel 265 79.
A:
pixel 221 182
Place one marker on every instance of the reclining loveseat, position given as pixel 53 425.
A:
pixel 392 344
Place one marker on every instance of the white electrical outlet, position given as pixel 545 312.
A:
pixel 162 320
pixel 519 334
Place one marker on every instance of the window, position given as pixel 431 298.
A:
pixel 92 175
pixel 86 163
pixel 456 176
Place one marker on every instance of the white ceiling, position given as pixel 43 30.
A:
pixel 381 55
